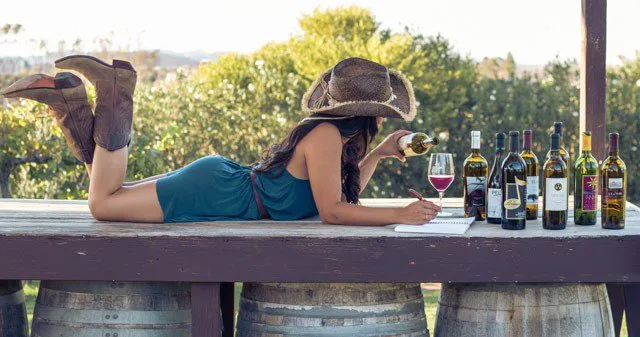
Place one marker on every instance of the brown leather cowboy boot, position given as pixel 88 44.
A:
pixel 67 100
pixel 115 85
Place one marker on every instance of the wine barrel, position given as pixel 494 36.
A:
pixel 540 310
pixel 331 309
pixel 112 309
pixel 13 313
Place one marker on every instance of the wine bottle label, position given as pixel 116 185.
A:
pixel 615 183
pixel 404 144
pixel 555 196
pixel 614 189
pixel 589 193
pixel 533 184
pixel 476 187
pixel 514 200
pixel 494 203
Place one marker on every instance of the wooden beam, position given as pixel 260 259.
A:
pixel 593 73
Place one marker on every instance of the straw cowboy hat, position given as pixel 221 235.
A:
pixel 359 87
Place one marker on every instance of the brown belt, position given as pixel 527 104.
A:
pixel 263 212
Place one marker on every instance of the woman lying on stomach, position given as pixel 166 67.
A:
pixel 319 168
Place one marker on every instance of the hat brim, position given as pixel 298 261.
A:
pixel 404 106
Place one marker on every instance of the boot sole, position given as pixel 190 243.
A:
pixel 63 80
pixel 120 64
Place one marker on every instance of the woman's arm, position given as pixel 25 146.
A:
pixel 387 148
pixel 322 149
pixel 132 183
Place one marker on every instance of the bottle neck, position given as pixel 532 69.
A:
pixel 614 153
pixel 475 151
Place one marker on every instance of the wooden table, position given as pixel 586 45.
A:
pixel 58 240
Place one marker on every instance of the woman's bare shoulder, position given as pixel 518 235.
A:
pixel 325 133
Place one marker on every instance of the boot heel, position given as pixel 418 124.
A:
pixel 123 65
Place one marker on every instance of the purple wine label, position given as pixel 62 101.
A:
pixel 589 193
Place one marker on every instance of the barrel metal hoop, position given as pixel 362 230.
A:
pixel 51 330
pixel 112 317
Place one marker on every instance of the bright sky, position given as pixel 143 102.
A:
pixel 534 31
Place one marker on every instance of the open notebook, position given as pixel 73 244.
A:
pixel 456 226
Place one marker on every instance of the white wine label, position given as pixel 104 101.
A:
pixel 494 203
pixel 403 143
pixel 476 189
pixel 533 184
pixel 555 195
pixel 615 183
pixel 514 201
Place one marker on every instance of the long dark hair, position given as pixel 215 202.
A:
pixel 360 130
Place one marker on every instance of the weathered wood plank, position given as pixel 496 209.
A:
pixel 306 259
pixel 205 310
pixel 15 220
pixel 593 73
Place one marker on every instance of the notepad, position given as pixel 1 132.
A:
pixel 454 226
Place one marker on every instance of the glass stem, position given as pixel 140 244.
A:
pixel 441 194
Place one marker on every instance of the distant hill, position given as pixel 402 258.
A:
pixel 165 59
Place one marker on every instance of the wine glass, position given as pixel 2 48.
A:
pixel 441 173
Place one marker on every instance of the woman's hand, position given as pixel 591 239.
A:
pixel 389 146
pixel 417 213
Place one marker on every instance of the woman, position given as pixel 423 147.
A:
pixel 320 168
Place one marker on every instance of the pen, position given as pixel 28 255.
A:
pixel 415 194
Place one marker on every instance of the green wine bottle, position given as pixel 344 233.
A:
pixel 474 178
pixel 532 175
pixel 614 186
pixel 586 179
pixel 556 190
pixel 416 144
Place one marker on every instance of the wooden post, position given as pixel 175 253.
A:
pixel 227 294
pixel 205 310
pixel 593 73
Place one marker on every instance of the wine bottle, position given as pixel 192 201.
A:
pixel 556 197
pixel 514 186
pixel 494 190
pixel 416 144
pixel 474 177
pixel 586 178
pixel 557 128
pixel 533 180
pixel 614 186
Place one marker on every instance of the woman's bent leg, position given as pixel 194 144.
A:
pixel 109 200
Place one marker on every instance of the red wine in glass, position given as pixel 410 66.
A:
pixel 441 182
pixel 441 173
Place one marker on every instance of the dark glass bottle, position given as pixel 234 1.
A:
pixel 556 190
pixel 614 186
pixel 533 179
pixel 474 178
pixel 585 172
pixel 494 188
pixel 514 186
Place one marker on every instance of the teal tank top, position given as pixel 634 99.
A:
pixel 285 197
pixel 215 188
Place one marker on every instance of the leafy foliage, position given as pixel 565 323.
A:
pixel 241 104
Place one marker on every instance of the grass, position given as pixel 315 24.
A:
pixel 430 291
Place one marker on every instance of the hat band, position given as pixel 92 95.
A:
pixel 326 96
pixel 328 118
